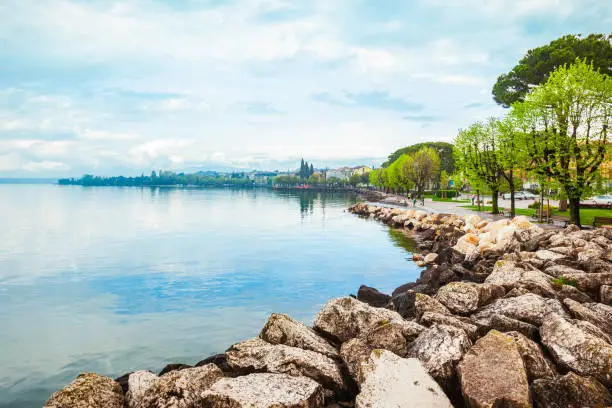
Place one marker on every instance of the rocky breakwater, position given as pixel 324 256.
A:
pixel 516 316
pixel 504 315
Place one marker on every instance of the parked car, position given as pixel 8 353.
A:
pixel 604 199
pixel 520 195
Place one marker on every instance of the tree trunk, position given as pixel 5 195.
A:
pixel 478 199
pixel 562 201
pixel 541 203
pixel 512 188
pixel 575 211
pixel 494 194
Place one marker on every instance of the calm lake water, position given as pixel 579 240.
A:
pixel 113 280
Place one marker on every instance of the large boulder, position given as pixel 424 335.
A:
pixel 177 389
pixel 403 303
pixel 172 367
pixel 88 390
pixel 594 313
pixel 570 391
pixel 507 324
pixel 536 364
pixel 529 308
pixel 574 349
pixel 589 282
pixel 282 329
pixel 440 348
pixel 424 303
pixel 139 382
pixel 257 355
pixel 346 318
pixel 605 294
pixel 354 353
pixel 492 374
pixel 394 382
pixel 465 297
pixel 372 296
pixel 389 336
pixel 264 390
pixel 430 318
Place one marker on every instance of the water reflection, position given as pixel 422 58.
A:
pixel 117 279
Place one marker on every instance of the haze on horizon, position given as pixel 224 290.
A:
pixel 125 87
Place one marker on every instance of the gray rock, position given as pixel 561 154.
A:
pixel 173 367
pixel 570 391
pixel 591 329
pixel 570 292
pixel 559 270
pixel 179 389
pixel 507 324
pixel 465 297
pixel 528 308
pixel 430 318
pixel 439 349
pixel 589 282
pixel 591 312
pixel 424 303
pixel 372 296
pixel 354 352
pixel 605 294
pixel 139 382
pixel 389 336
pixel 88 390
pixel 536 364
pixel 346 318
pixel 394 382
pixel 546 255
pixel 282 329
pixel 257 355
pixel 492 374
pixel 403 303
pixel 264 390
pixel 576 350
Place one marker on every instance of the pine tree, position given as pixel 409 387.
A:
pixel 311 170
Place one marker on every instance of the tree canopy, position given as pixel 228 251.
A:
pixel 443 149
pixel 537 64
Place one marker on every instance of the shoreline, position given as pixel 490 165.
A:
pixel 488 287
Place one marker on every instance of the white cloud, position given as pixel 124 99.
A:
pixel 135 85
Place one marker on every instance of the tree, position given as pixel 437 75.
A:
pixel 311 172
pixel 365 178
pixel 536 66
pixel 477 156
pixel 510 153
pixel 354 179
pixel 444 178
pixel 422 168
pixel 569 117
pixel 443 149
pixel 398 177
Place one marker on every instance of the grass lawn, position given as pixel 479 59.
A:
pixel 449 200
pixel 586 214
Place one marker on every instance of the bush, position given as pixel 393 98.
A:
pixel 560 281
pixel 536 205
pixel 438 193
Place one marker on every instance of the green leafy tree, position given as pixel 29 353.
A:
pixel 535 67
pixel 365 178
pixel 443 149
pixel 569 116
pixel 398 177
pixel 478 157
pixel 421 168
pixel 354 179
pixel 444 179
pixel 511 153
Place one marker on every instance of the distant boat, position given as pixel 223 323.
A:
pixel 304 187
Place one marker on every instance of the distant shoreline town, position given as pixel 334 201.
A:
pixel 307 176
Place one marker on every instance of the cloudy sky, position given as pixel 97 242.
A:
pixel 113 87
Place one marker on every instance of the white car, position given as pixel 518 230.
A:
pixel 520 195
pixel 605 199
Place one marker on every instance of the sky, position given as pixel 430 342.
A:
pixel 124 87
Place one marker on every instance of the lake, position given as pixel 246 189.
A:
pixel 113 280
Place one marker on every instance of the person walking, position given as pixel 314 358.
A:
pixel 473 199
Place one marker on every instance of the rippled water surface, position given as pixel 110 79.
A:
pixel 116 279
